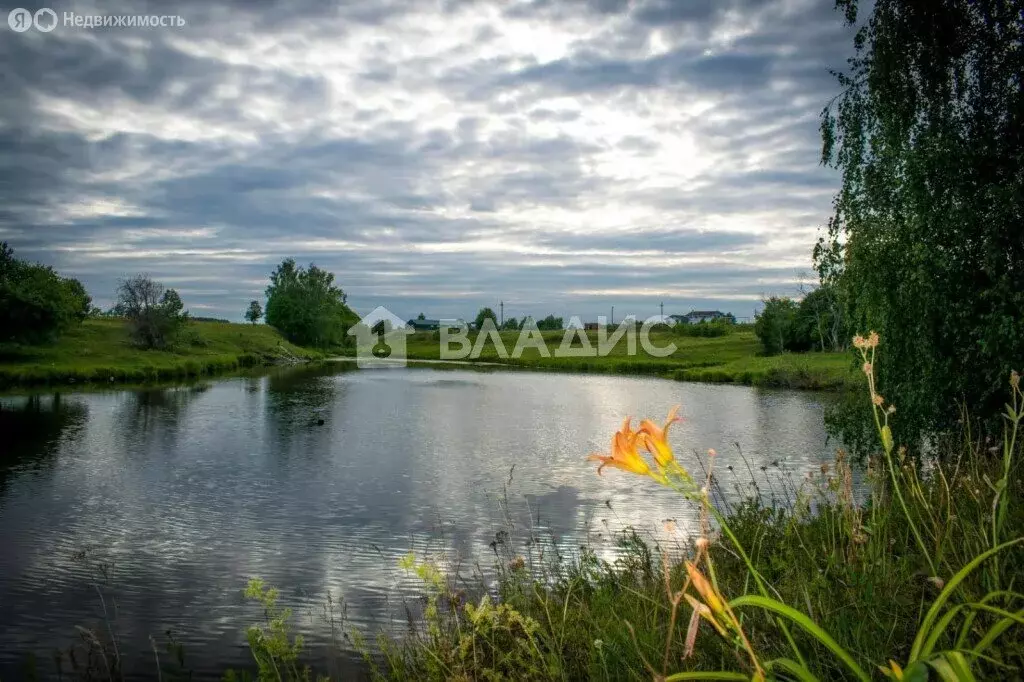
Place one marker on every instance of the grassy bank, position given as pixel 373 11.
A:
pixel 100 351
pixel 732 358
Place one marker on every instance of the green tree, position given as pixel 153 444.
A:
pixel 550 323
pixel 421 316
pixel 254 312
pixel 775 324
pixel 305 306
pixel 37 304
pixel 155 315
pixel 511 324
pixel 484 314
pixel 77 301
pixel 822 320
pixel 927 234
pixel 819 322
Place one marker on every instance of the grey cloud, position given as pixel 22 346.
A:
pixel 705 12
pixel 711 73
pixel 653 240
pixel 516 153
pixel 563 8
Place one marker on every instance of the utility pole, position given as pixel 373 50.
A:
pixel 502 306
pixel 613 315
pixel 662 317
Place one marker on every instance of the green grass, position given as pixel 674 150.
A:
pixel 732 358
pixel 100 351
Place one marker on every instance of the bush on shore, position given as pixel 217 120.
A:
pixel 37 304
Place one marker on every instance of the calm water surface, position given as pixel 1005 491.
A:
pixel 168 499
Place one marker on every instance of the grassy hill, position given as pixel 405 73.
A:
pixel 100 351
pixel 733 358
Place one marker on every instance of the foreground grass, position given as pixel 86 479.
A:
pixel 732 358
pixel 586 619
pixel 100 351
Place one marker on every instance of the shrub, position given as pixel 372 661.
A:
pixel 155 315
pixel 36 304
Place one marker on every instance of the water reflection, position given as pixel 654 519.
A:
pixel 152 420
pixel 32 430
pixel 299 405
pixel 186 492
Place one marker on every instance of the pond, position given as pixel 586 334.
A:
pixel 158 504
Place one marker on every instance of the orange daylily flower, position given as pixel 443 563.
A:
pixel 626 430
pixel 655 438
pixel 624 454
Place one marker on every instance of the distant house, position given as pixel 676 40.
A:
pixel 434 325
pixel 424 325
pixel 591 326
pixel 698 316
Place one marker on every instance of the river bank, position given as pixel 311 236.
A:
pixel 732 358
pixel 99 351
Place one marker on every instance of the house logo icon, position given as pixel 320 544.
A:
pixel 380 339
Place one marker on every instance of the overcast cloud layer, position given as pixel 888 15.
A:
pixel 561 155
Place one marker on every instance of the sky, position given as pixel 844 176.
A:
pixel 562 156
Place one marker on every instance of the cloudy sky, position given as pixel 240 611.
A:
pixel 564 156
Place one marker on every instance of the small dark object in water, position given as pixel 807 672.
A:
pixel 319 422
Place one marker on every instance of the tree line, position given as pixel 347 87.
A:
pixel 37 305
pixel 512 324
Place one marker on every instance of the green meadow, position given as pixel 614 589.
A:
pixel 732 358
pixel 100 350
